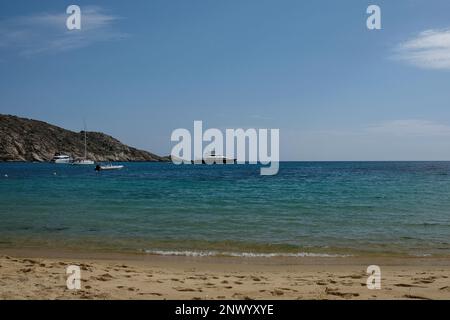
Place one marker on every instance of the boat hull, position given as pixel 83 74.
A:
pixel 83 163
pixel 118 167
pixel 61 161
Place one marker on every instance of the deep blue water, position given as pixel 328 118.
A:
pixel 309 207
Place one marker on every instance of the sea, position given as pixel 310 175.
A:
pixel 323 209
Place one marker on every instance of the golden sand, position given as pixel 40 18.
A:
pixel 42 275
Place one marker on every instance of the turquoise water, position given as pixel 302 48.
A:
pixel 309 208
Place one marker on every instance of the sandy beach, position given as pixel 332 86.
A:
pixel 42 275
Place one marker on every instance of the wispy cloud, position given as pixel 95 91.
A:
pixel 411 127
pixel 404 128
pixel 47 33
pixel 407 139
pixel 429 49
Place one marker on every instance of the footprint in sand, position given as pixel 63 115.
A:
pixel 277 292
pixel 185 289
pixel 423 282
pixel 405 285
pixel 29 261
pixel 85 267
pixel 348 284
pixel 352 276
pixel 104 277
pixel 289 289
pixel 150 293
pixel 336 292
pixel 410 296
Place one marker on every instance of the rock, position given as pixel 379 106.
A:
pixel 31 140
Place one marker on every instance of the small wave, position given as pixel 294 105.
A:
pixel 421 254
pixel 187 253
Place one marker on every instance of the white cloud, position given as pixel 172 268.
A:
pixel 47 32
pixel 430 49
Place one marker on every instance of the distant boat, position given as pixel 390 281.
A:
pixel 213 158
pixel 84 161
pixel 61 158
pixel 108 167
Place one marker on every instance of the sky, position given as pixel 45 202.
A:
pixel 138 70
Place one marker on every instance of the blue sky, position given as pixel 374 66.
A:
pixel 138 70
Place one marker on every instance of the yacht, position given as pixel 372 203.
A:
pixel 61 158
pixel 214 158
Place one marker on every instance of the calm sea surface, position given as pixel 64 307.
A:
pixel 309 208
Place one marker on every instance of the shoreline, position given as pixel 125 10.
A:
pixel 41 274
pixel 98 254
pixel 95 250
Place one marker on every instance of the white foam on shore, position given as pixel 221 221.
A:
pixel 421 255
pixel 188 253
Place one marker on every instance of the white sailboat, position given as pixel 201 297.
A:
pixel 85 160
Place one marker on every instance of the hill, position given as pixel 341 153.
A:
pixel 24 139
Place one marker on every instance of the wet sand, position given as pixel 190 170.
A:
pixel 41 274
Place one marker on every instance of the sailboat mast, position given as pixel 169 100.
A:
pixel 85 148
pixel 85 152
